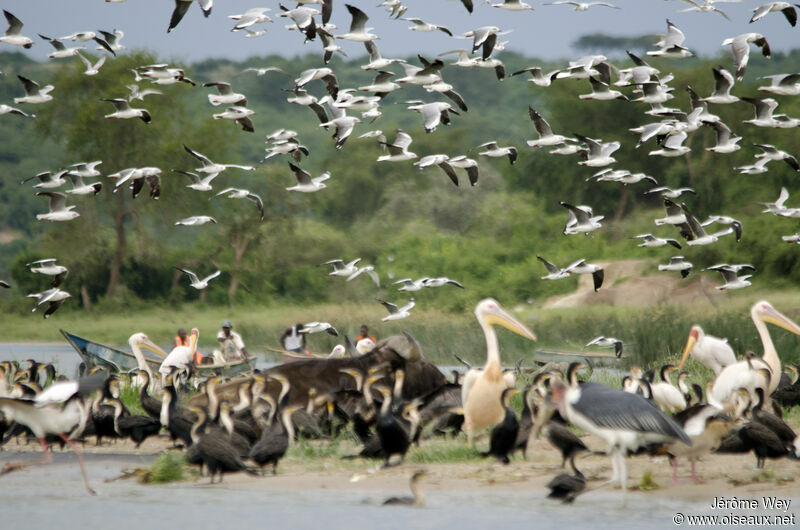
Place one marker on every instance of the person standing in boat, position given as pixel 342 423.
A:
pixel 293 340
pixel 182 339
pixel 231 345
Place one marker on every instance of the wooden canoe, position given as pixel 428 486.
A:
pixel 96 354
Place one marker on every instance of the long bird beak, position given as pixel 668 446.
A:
pixel 147 344
pixel 690 342
pixel 770 315
pixel 193 340
pixel 500 317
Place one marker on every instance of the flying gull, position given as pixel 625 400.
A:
pixel 196 282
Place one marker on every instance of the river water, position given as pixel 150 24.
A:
pixel 49 496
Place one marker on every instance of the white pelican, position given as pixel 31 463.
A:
pixel 624 420
pixel 712 351
pixel 744 373
pixel 137 341
pixel 482 388
pixel 180 356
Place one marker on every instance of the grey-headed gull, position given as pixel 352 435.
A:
pixel 239 193
pixel 13 34
pixel 125 111
pixel 33 93
pixel 651 241
pixel 306 184
pixel 213 167
pixel 197 282
pixel 740 45
pixel 397 313
pixel 59 211
pixel 679 264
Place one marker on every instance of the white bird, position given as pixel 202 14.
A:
pixel 434 113
pixel 782 84
pixel 198 183
pixel 553 272
pixel 342 269
pixel 59 410
pixel 482 387
pixel 179 357
pixel 239 114
pixel 665 395
pixel 725 220
pixel 765 108
pixel 599 153
pixel 670 44
pixel 675 216
pixel 670 193
pixel 264 71
pixel 706 7
pixel 740 45
pixel 649 240
pixel 137 177
pixel 81 188
pixel 794 238
pixel 86 169
pixel 303 18
pixel 49 268
pixel 538 77
pixel 33 93
pixel 580 220
pixel 786 8
pixel 370 270
pixel 92 68
pixel 196 282
pixel 607 342
pixel 285 147
pixel 546 136
pixel 329 46
pixel 421 25
pixel 317 327
pixel 602 92
pixel 672 146
pixel 239 193
pixel 730 275
pixel 196 220
pixel 182 6
pixel 410 285
pixel 62 51
pixel 254 15
pixel 697 235
pixel 484 37
pixel 678 263
pixel 358 32
pixel 225 95
pixel 770 152
pixel 381 85
pixel 778 205
pixel 125 111
pixel 397 313
pixel 441 282
pixel 344 124
pixel 59 211
pixel 306 184
pixel 53 297
pixel 48 180
pixel 581 267
pixel 581 6
pixel 6 109
pixel 136 93
pixel 711 351
pixel 726 141
pixel 511 5
pixel 398 150
pixel 469 164
pixel 745 374
pixel 13 34
pixel 495 151
pixel 376 62
pixel 213 167
pixel 112 38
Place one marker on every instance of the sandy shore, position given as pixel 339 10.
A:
pixel 315 465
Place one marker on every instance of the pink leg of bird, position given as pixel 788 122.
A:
pixel 80 461
pixel 48 455
pixel 694 476
pixel 675 470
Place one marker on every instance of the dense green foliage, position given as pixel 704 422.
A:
pixel 404 221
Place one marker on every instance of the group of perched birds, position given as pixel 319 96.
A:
pixel 390 400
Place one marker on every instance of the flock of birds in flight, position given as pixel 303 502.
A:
pixel 651 85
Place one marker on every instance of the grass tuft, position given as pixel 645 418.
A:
pixel 168 467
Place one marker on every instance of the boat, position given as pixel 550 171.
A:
pixel 592 358
pixel 95 354
pixel 290 356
